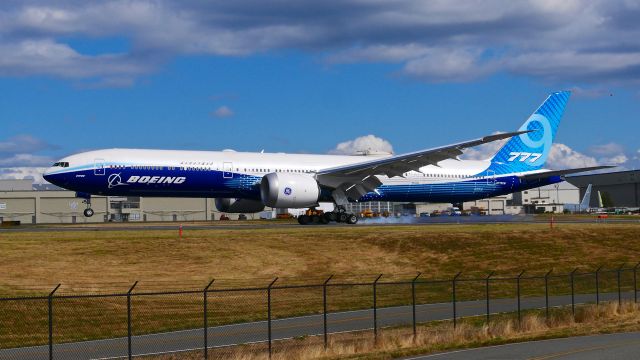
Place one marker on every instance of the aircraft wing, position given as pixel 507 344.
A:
pixel 357 179
pixel 545 174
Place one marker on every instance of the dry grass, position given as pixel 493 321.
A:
pixel 108 260
pixel 93 260
pixel 393 343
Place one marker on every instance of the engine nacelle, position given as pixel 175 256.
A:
pixel 230 205
pixel 283 190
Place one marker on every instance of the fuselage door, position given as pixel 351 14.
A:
pixel 99 167
pixel 227 170
pixel 491 177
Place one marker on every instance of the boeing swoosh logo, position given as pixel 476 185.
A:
pixel 115 180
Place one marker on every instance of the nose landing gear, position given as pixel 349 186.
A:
pixel 88 212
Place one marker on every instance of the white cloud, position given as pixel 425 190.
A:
pixel 484 151
pixel 19 159
pixel 223 112
pixel 607 149
pixel 619 159
pixel 562 156
pixel 23 144
pixel 25 160
pixel 589 92
pixel 368 143
pixel 34 173
pixel 450 65
pixel 47 57
pixel 568 43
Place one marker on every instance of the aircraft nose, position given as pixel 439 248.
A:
pixel 48 175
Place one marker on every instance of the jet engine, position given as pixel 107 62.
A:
pixel 283 190
pixel 230 205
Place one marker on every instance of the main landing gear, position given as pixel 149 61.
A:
pixel 314 216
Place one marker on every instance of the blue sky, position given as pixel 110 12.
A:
pixel 305 76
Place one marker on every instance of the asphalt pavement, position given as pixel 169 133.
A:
pixel 391 221
pixel 285 328
pixel 594 347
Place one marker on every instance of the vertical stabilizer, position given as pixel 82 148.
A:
pixel 584 204
pixel 529 151
pixel 600 205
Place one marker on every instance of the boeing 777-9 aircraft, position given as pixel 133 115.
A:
pixel 246 182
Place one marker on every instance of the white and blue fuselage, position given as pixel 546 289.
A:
pixel 229 174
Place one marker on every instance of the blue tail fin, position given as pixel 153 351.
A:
pixel 529 151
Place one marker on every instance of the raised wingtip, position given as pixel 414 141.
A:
pixel 501 136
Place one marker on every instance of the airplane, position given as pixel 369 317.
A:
pixel 584 204
pixel 244 182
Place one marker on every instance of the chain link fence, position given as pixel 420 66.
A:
pixel 221 320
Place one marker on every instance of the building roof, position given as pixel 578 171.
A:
pixel 609 178
pixel 16 185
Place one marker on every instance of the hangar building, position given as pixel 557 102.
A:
pixel 617 189
pixel 21 200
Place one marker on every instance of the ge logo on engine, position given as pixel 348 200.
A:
pixel 287 191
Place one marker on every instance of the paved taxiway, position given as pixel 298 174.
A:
pixel 285 328
pixel 261 225
pixel 594 347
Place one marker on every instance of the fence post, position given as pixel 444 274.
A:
pixel 453 298
pixel 206 322
pixel 619 270
pixel 635 283
pixel 129 318
pixel 375 307
pixel 486 287
pixel 573 293
pixel 546 292
pixel 324 310
pixel 50 303
pixel 518 295
pixel 269 313
pixel 598 285
pixel 413 303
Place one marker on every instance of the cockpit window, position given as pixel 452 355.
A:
pixel 61 164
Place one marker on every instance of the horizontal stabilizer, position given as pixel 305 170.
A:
pixel 546 174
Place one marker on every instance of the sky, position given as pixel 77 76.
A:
pixel 313 76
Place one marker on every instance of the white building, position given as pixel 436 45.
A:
pixel 549 198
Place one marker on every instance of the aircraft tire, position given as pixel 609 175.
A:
pixel 330 216
pixel 352 219
pixel 342 217
pixel 304 219
pixel 315 219
pixel 88 212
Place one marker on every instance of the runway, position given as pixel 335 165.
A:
pixel 285 328
pixel 266 224
pixel 593 347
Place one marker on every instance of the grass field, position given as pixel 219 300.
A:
pixel 94 260
pixel 106 261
